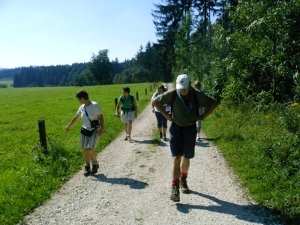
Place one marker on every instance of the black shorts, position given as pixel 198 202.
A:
pixel 183 140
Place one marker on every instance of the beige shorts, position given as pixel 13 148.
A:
pixel 89 142
pixel 127 116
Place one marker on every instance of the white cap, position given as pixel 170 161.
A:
pixel 182 81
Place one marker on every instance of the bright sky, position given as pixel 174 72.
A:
pixel 51 32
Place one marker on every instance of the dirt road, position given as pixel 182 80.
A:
pixel 133 187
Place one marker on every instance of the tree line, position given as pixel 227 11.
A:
pixel 250 51
pixel 144 67
pixel 238 49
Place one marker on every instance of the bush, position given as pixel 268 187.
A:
pixel 291 118
pixel 263 148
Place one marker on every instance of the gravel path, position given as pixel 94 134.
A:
pixel 133 187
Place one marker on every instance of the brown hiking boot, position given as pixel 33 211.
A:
pixel 175 195
pixel 183 184
pixel 95 168
pixel 87 170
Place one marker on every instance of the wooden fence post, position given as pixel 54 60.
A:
pixel 43 139
pixel 137 96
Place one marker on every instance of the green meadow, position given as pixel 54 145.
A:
pixel 27 177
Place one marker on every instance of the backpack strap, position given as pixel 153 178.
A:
pixel 172 100
pixel 122 99
pixel 87 115
pixel 132 102
pixel 196 103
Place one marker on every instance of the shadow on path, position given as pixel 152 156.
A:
pixel 152 142
pixel 250 213
pixel 132 183
pixel 203 144
pixel 211 139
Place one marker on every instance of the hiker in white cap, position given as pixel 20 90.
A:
pixel 185 102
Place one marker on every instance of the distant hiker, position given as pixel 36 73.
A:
pixel 161 120
pixel 185 102
pixel 197 86
pixel 92 128
pixel 128 110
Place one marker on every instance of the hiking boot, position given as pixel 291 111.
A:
pixel 166 139
pixel 87 170
pixel 199 139
pixel 175 195
pixel 183 184
pixel 126 138
pixel 95 168
pixel 160 135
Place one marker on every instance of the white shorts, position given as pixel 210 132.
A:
pixel 89 142
pixel 127 116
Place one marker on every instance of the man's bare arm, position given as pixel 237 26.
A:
pixel 74 120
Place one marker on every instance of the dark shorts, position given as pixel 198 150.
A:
pixel 183 140
pixel 161 120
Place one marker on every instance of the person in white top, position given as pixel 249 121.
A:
pixel 161 120
pixel 92 128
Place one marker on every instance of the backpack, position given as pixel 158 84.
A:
pixel 132 103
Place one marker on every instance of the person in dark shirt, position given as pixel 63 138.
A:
pixel 185 102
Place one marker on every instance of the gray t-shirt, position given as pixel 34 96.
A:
pixel 185 111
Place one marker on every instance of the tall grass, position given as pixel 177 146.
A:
pixel 264 149
pixel 27 177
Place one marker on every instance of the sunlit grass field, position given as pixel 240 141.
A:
pixel 27 177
